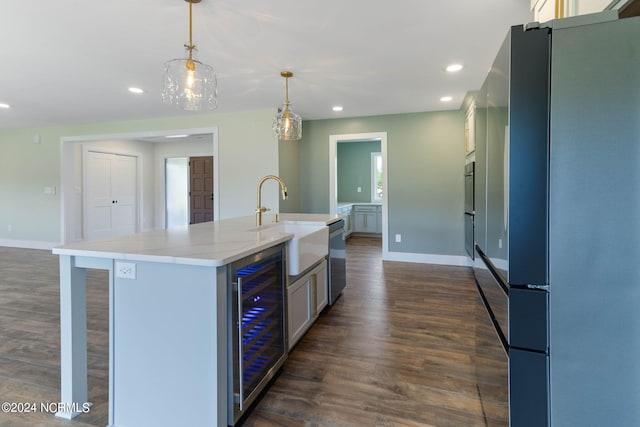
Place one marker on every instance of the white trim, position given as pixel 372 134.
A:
pixel 614 5
pixel 374 194
pixel 455 260
pixel 161 165
pixel 28 244
pixel 137 135
pixel 333 170
pixel 501 264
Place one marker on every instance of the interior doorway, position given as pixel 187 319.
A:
pixel 334 140
pixel 189 190
pixel 152 148
pixel 176 191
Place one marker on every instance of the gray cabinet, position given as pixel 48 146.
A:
pixel 347 211
pixel 307 296
pixel 367 219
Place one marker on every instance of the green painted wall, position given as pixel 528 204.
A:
pixel 425 171
pixel 25 169
pixel 425 164
pixel 354 170
pixel 289 161
pixel 247 149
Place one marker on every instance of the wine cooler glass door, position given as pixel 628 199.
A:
pixel 258 328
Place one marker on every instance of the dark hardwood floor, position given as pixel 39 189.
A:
pixel 397 349
pixel 30 338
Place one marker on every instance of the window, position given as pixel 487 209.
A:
pixel 376 177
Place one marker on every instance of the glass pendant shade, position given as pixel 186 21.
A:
pixel 287 125
pixel 190 85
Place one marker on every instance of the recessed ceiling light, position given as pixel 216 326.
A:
pixel 135 90
pixel 446 98
pixel 3 105
pixel 176 136
pixel 452 68
pixel 337 108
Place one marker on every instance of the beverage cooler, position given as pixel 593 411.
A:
pixel 257 334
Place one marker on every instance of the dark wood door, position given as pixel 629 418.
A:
pixel 201 189
pixel 630 9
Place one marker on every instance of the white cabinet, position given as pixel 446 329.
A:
pixel 470 130
pixel 306 297
pixel 543 10
pixel 546 10
pixel 299 310
pixel 365 222
pixel 368 219
pixel 347 211
pixel 320 284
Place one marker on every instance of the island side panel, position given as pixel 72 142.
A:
pixel 169 358
pixel 73 335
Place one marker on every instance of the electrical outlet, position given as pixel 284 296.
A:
pixel 359 189
pixel 125 270
pixel 398 238
pixel 499 243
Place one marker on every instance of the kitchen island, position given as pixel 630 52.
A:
pixel 169 321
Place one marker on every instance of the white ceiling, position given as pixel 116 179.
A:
pixel 71 61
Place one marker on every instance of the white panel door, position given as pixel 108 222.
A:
pixel 109 193
pixel 123 188
pixel 97 195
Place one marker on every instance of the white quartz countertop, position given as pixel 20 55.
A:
pixel 207 244
pixel 306 218
pixel 341 204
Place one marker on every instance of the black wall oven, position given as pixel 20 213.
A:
pixel 469 207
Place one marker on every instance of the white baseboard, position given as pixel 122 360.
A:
pixel 28 244
pixel 454 260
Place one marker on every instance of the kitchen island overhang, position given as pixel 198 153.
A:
pixel 168 293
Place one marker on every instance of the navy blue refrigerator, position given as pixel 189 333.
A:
pixel 557 220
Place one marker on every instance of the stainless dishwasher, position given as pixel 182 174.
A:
pixel 337 260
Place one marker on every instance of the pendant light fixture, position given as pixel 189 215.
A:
pixel 188 83
pixel 286 124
